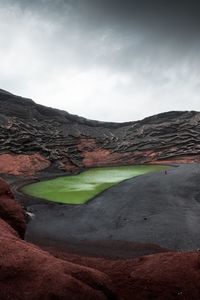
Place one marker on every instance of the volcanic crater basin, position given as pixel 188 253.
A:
pixel 78 189
pixel 154 208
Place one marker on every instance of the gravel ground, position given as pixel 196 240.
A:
pixel 158 208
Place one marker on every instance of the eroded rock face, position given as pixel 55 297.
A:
pixel 164 276
pixel 28 273
pixel 18 164
pixel 167 276
pixel 10 211
pixel 39 136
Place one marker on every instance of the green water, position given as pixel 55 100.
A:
pixel 78 189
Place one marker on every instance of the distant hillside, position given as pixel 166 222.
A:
pixel 34 137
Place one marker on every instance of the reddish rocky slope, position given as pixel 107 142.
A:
pixel 34 137
pixel 164 276
pixel 29 273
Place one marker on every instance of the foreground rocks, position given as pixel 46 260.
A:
pixel 34 137
pixel 30 273
pixel 27 272
pixel 164 276
pixel 10 211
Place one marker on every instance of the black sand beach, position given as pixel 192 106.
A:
pixel 158 208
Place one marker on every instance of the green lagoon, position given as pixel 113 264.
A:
pixel 78 189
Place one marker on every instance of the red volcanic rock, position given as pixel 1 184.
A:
pixel 10 210
pixel 28 273
pixel 22 164
pixel 93 155
pixel 165 276
pixel 179 160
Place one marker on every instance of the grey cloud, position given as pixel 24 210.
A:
pixel 179 15
pixel 114 60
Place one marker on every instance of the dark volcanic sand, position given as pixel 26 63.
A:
pixel 150 209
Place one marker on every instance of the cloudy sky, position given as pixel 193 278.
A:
pixel 102 59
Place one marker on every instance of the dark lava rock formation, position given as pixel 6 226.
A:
pixel 34 137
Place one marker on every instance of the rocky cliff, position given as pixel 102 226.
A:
pixel 34 137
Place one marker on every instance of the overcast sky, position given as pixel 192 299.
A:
pixel 102 59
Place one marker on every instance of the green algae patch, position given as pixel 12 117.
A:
pixel 78 189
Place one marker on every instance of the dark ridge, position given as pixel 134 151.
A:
pixel 28 108
pixel 69 141
pixel 167 116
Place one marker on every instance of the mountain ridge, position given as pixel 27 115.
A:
pixel 66 142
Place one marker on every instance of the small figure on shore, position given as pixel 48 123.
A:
pixel 165 172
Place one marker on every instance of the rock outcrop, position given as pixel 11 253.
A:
pixel 29 273
pixel 164 276
pixel 34 137
pixel 22 164
pixel 10 211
